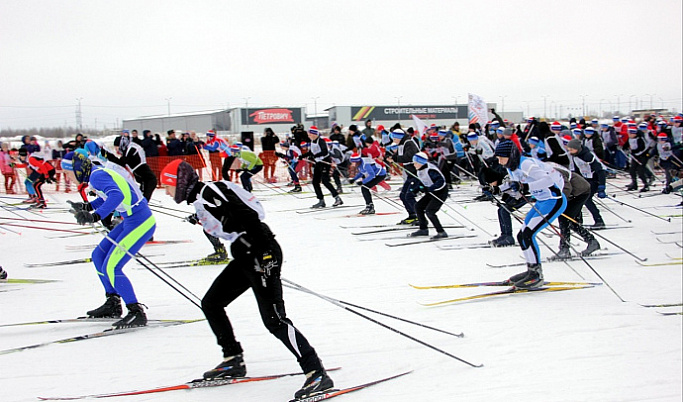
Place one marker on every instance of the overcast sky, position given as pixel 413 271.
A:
pixel 127 59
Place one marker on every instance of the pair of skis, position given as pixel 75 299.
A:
pixel 201 383
pixel 547 287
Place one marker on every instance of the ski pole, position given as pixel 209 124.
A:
pixel 460 335
pixel 338 304
pixel 159 211
pixel 42 228
pixel 638 209
pixel 136 258
pixel 602 204
pixel 606 239
pixel 39 220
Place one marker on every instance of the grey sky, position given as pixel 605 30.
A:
pixel 125 58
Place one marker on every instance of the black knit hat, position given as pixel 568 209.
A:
pixel 504 148
pixel 186 180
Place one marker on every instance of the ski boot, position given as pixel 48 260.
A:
pixel 419 232
pixel 337 201
pixel 30 200
pixel 230 367
pixel 503 241
pixel 532 279
pixel 317 382
pixel 593 245
pixel 320 204
pixel 3 274
pixel 439 235
pixel 645 188
pixel 369 210
pixel 632 187
pixel 598 225
pixel 136 317
pixel 564 253
pixel 410 220
pixel 110 309
pixel 219 254
pixel 296 189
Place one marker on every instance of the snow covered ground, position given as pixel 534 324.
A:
pixel 580 345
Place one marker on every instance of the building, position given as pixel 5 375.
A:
pixel 224 122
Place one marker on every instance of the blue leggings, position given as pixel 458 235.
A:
pixel 541 215
pixel 131 234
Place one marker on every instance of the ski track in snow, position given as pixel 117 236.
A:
pixel 564 346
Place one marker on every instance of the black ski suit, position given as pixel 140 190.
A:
pixel 234 216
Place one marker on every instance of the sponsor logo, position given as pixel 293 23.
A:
pixel 265 116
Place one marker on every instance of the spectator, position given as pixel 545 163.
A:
pixel 192 146
pixel 368 130
pixel 134 137
pixel 175 147
pixel 161 147
pixel 268 142
pixel 57 154
pixel 337 135
pixel 7 168
pixel 148 144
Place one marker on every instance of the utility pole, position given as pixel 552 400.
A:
pixel 455 98
pixel 168 106
pixel 246 107
pixel 79 116
pixel 315 109
pixel 545 102
pixel 398 100
pixel 583 105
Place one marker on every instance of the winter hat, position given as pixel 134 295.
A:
pixel 678 119
pixel 434 136
pixel 443 133
pixel 576 132
pixel 210 133
pixel 397 134
pixel 235 149
pixel 500 130
pixel 304 144
pixel 660 136
pixel 624 119
pixel 504 149
pixel 589 131
pixel 92 148
pixel 420 158
pixel 169 174
pixel 643 126
pixel 594 121
pixel 556 126
pixel 185 181
pixel 530 119
pixel 663 123
pixel 472 136
pixel 604 125
pixel 313 130
pixel 507 132
pixel 327 140
pixel 81 167
pixel 574 144
pixel 495 123
pixel 615 118
pixel 67 161
pixel 566 136
pixel 284 144
pixel 380 128
pixel 353 128
pixel 632 130
pixel 534 140
pixel 356 157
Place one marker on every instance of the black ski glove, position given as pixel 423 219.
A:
pixel 80 206
pixel 86 218
pixel 193 219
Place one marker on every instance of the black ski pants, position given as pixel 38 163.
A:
pixel 428 206
pixel 238 276
pixel 365 188
pixel 321 173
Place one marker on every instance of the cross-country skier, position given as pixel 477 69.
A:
pixel 233 214
pixel 372 173
pixel 322 162
pixel 42 172
pixel 251 164
pixel 402 152
pixel 433 184
pixel 587 164
pixel 113 193
pixel 133 157
pixel 541 181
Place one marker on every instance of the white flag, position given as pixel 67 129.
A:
pixel 419 125
pixel 477 110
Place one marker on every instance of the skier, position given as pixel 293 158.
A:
pixel 578 191
pixel 402 152
pixel 233 214
pixel 372 173
pixel 636 143
pixel 113 193
pixel 42 172
pixel 588 165
pixel 321 169
pixel 133 157
pixel 543 183
pixel 291 158
pixel 251 164
pixel 433 184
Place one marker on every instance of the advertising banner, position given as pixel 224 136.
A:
pixel 477 110
pixel 363 113
pixel 272 116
